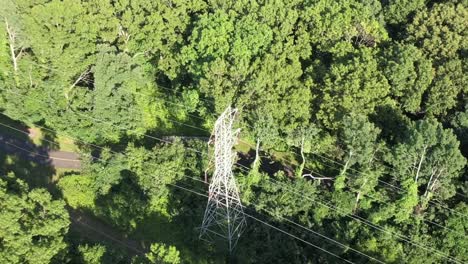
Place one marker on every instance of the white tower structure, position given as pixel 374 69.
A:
pixel 224 215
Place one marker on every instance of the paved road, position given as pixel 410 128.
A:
pixel 64 159
pixel 27 150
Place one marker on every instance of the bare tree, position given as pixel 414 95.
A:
pixel 316 178
pixel 257 154
pixel 420 163
pixel 15 49
pixel 80 78
pixel 435 175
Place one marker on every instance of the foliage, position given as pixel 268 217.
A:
pixel 164 254
pixel 409 74
pixel 78 191
pixel 33 224
pixel 359 108
pixel 353 84
pixel 92 254
pixel 431 157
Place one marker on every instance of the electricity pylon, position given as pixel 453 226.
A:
pixel 224 216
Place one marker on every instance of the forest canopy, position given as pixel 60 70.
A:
pixel 353 126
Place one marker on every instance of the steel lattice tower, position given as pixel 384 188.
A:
pixel 224 216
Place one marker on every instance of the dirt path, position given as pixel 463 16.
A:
pixel 95 230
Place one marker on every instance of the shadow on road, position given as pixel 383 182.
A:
pixel 18 154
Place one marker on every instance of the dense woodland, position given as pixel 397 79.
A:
pixel 359 109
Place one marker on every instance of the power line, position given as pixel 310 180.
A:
pixel 324 157
pixel 303 227
pixel 367 222
pixel 144 135
pixel 358 218
pixel 165 141
pixel 108 236
pixel 315 233
pixel 395 187
pixel 269 225
pixel 338 139
pixel 213 103
pixel 373 197
pixel 244 168
pixel 375 226
pixel 382 163
pixel 276 228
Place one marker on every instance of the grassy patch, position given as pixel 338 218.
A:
pixel 285 157
pixel 66 143
pixel 243 146
pixel 36 135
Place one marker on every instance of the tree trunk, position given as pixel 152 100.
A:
pixel 257 154
pixel 420 163
pixel 301 167
pixel 431 183
pixel 373 155
pixel 316 178
pixel 345 168
pixel 12 42
pixel 358 196
pixel 81 77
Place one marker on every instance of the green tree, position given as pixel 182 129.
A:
pixel 92 254
pixel 398 11
pixel 33 224
pixel 164 164
pixel 78 191
pixel 330 23
pixel 237 60
pixel 12 40
pixel 123 207
pixel 430 158
pixel 409 74
pixel 155 30
pixel 440 31
pixel 360 144
pixel 63 34
pixel 164 254
pixel 452 240
pixel 460 125
pixel 441 35
pixel 307 139
pixel 450 82
pixel 353 84
pixel 106 172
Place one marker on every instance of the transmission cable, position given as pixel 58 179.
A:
pixel 276 228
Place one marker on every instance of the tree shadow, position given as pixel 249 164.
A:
pixel 182 228
pixel 391 122
pixel 49 139
pixel 123 205
pixel 19 154
pixel 13 129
